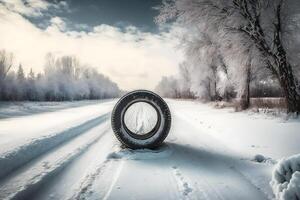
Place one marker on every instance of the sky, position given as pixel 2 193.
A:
pixel 117 37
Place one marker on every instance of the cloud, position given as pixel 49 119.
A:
pixel 28 8
pixel 58 23
pixel 130 57
pixel 32 8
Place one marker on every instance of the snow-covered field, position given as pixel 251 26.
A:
pixel 210 153
pixel 17 108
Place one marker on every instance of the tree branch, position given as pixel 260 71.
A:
pixel 253 29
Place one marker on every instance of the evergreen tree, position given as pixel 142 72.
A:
pixel 20 74
pixel 31 75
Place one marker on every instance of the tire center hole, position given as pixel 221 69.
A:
pixel 140 118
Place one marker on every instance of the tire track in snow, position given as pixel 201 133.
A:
pixel 90 182
pixel 24 182
pixel 130 177
pixel 85 188
pixel 247 179
pixel 114 180
pixel 14 159
pixel 214 178
pixel 210 191
pixel 86 184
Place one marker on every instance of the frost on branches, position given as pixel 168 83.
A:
pixel 234 46
pixel 64 78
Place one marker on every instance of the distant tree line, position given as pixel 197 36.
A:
pixel 236 49
pixel 184 85
pixel 64 78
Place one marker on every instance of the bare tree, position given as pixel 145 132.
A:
pixel 63 79
pixel 69 65
pixel 20 74
pixel 185 80
pixel 254 20
pixel 168 87
pixel 245 94
pixel 277 61
pixel 204 54
pixel 6 62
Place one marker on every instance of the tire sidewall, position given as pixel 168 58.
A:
pixel 141 96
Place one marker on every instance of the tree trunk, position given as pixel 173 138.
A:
pixel 209 90
pixel 1 89
pixel 245 97
pixel 290 87
pixel 214 95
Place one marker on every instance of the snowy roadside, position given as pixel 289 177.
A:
pixel 260 140
pixel 21 108
pixel 209 154
pixel 25 138
pixel 248 133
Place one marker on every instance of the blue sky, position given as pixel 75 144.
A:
pixel 139 13
pixel 85 14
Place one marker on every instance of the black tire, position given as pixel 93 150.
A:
pixel 150 140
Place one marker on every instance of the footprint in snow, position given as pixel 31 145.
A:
pixel 184 187
pixel 187 189
pixel 46 165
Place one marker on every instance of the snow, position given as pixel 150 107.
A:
pixel 42 170
pixel 27 140
pixel 246 132
pixel 21 108
pixel 286 178
pixel 141 154
pixel 262 159
pixel 209 154
pixel 259 158
pixel 140 118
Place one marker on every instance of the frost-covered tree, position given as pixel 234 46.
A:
pixel 64 78
pixel 207 62
pixel 21 82
pixel 266 25
pixel 6 62
pixel 271 44
pixel 31 93
pixel 185 81
pixel 31 75
pixel 20 74
pixel 168 87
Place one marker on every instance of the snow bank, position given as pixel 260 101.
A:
pixel 22 108
pixel 259 158
pixel 21 155
pixel 245 132
pixel 141 154
pixel 286 178
pixel 262 159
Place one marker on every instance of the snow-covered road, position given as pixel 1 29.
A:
pixel 73 154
